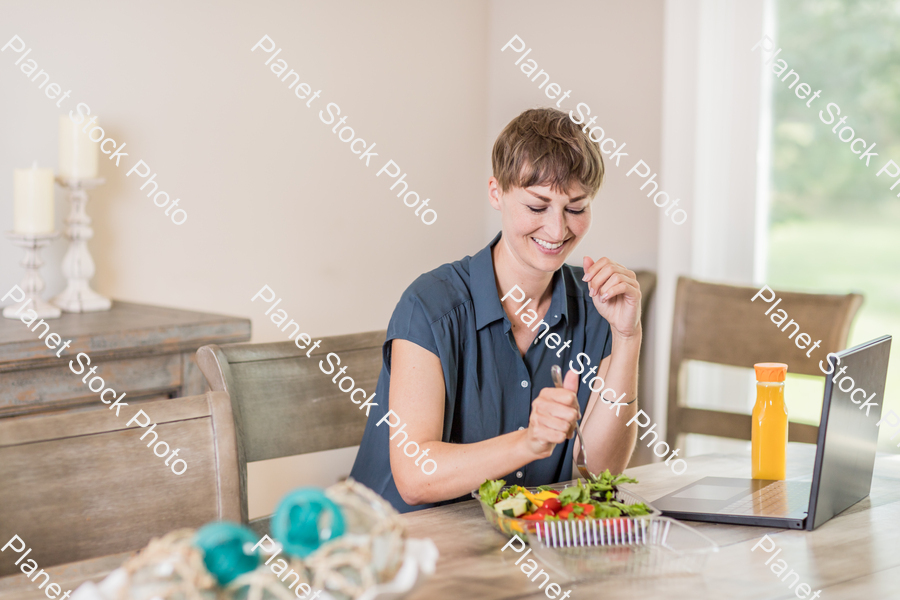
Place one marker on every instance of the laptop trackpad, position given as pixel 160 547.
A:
pixel 708 495
pixel 703 491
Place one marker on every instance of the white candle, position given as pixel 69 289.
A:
pixel 33 200
pixel 77 153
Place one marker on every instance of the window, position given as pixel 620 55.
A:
pixel 835 226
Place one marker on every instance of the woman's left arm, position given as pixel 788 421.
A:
pixel 617 298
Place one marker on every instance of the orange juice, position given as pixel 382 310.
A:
pixel 769 433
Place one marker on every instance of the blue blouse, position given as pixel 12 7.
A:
pixel 455 313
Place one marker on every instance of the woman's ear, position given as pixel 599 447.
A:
pixel 494 192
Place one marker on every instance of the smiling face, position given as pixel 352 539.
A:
pixel 541 227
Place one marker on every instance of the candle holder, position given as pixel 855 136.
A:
pixel 78 266
pixel 32 284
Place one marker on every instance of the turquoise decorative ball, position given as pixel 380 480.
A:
pixel 227 550
pixel 305 519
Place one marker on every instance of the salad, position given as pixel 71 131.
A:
pixel 583 500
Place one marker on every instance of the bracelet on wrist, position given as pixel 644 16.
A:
pixel 619 403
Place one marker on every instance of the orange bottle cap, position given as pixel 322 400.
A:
pixel 770 372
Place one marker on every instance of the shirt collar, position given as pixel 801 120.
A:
pixel 487 302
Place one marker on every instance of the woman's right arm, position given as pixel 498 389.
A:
pixel 417 396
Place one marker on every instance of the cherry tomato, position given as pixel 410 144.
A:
pixel 538 516
pixel 552 504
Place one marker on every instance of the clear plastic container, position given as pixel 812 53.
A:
pixel 649 546
pixel 525 528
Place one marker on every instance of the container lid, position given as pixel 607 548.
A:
pixel 770 372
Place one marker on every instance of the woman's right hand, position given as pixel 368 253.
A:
pixel 554 414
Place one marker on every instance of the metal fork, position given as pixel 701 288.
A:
pixel 556 373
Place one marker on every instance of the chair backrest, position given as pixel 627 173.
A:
pixel 283 402
pixel 647 281
pixel 719 324
pixel 79 484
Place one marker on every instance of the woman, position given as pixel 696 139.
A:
pixel 466 371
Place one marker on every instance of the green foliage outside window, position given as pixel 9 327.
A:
pixel 835 226
pixel 849 49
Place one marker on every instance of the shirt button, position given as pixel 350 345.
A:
pixel 521 428
pixel 520 474
pixel 555 316
pixel 524 383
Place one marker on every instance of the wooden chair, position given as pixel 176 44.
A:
pixel 284 405
pixel 719 324
pixel 647 281
pixel 79 484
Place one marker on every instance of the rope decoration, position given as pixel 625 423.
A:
pixel 255 584
pixel 168 568
pixel 370 552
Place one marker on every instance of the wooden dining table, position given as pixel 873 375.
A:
pixel 855 555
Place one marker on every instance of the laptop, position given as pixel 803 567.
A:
pixel 842 476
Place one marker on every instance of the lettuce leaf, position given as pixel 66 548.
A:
pixel 634 510
pixel 574 493
pixel 489 490
pixel 605 511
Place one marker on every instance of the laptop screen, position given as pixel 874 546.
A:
pixel 848 434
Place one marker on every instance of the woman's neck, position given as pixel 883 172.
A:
pixel 509 272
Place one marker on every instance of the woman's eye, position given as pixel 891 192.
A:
pixel 544 209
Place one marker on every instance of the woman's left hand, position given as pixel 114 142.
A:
pixel 616 294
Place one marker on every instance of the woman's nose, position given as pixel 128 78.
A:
pixel 556 225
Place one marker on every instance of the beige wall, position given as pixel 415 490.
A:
pixel 613 63
pixel 272 196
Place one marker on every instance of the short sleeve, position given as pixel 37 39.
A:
pixel 607 345
pixel 409 322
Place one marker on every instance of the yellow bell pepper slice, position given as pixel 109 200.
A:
pixel 545 495
pixel 535 499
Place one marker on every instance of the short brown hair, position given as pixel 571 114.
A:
pixel 542 146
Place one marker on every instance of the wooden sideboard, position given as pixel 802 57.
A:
pixel 146 351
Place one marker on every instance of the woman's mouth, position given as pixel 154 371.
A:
pixel 549 247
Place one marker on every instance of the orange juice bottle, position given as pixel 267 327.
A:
pixel 769 433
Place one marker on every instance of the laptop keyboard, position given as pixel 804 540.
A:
pixel 773 500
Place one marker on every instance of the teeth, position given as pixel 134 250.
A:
pixel 547 245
